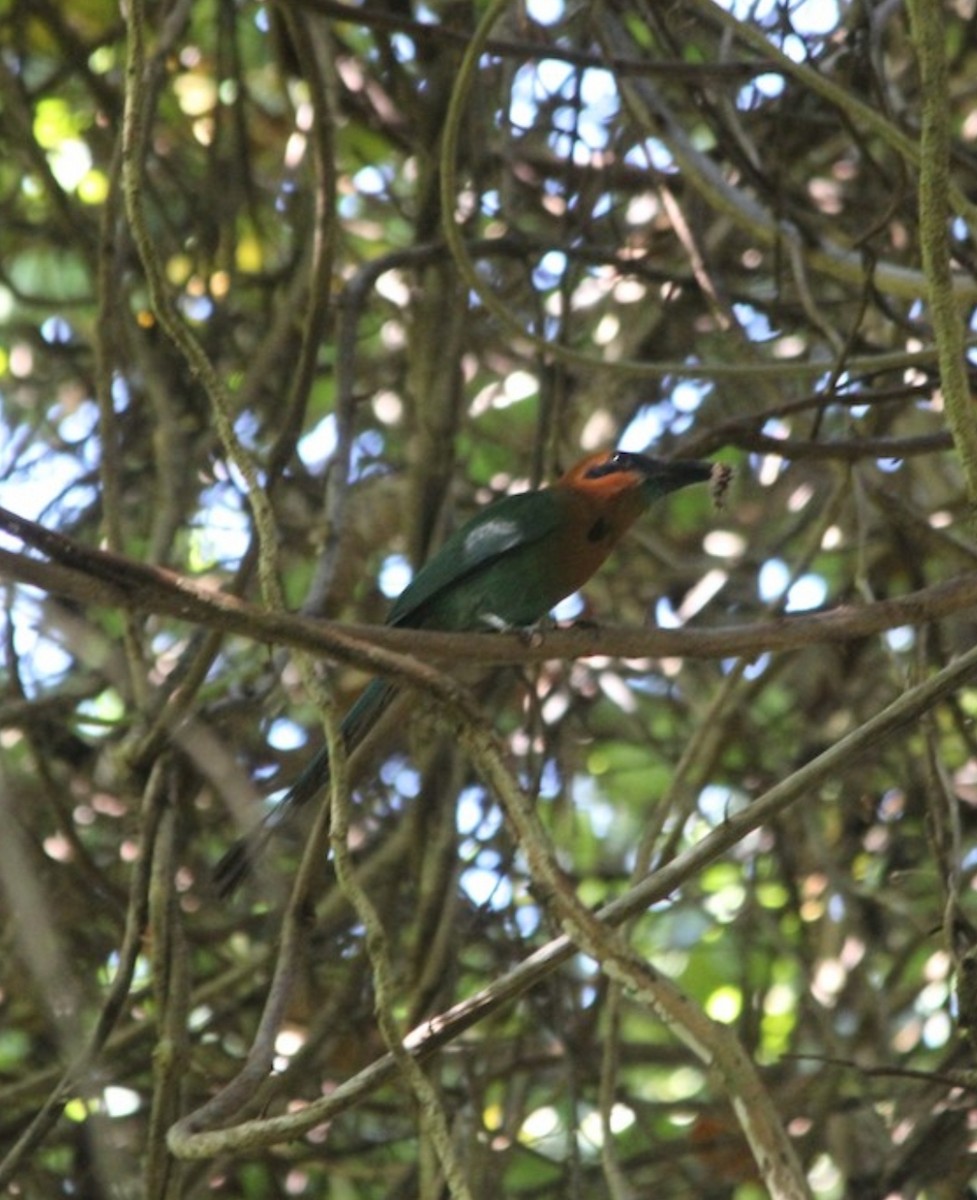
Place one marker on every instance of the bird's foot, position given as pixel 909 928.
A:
pixel 530 635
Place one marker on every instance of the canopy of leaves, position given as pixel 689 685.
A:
pixel 288 292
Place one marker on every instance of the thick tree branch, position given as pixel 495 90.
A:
pixel 100 578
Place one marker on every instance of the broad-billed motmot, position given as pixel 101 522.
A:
pixel 512 563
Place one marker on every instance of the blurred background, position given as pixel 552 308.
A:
pixel 424 281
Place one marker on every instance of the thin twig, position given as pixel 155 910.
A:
pixel 188 1140
pixel 935 199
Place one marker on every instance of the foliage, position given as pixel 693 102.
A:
pixel 409 259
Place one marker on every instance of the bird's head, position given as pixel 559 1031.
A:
pixel 611 475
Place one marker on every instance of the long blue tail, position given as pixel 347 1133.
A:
pixel 359 720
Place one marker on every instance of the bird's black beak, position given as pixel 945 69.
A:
pixel 661 476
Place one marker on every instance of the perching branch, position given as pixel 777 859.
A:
pixel 96 577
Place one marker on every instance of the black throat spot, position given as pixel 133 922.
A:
pixel 599 530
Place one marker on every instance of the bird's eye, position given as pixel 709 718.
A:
pixel 610 466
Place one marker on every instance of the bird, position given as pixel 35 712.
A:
pixel 512 563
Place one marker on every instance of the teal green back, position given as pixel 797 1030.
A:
pixel 489 572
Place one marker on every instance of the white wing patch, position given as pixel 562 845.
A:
pixel 491 537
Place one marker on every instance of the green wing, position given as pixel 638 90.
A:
pixel 507 525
